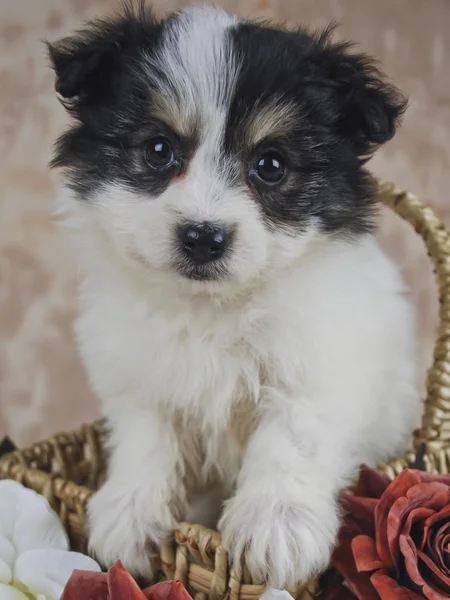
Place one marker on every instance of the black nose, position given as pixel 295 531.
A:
pixel 203 242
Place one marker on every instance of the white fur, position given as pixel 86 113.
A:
pixel 269 387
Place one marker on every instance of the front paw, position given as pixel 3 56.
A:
pixel 127 525
pixel 284 542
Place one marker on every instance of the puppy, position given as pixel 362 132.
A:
pixel 247 338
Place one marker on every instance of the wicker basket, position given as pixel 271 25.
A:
pixel 68 467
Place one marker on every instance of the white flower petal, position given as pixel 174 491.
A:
pixel 27 520
pixel 5 572
pixel 9 593
pixel 272 594
pixel 7 559
pixel 9 491
pixel 47 571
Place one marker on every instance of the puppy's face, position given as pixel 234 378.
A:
pixel 216 150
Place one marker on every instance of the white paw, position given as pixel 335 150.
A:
pixel 127 525
pixel 284 543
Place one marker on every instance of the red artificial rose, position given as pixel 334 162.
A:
pixel 167 590
pixel 118 584
pixel 395 540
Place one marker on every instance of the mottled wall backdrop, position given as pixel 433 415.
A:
pixel 42 386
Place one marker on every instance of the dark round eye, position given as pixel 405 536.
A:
pixel 159 153
pixel 270 167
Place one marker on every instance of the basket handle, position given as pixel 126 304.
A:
pixel 435 428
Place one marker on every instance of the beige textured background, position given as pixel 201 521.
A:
pixel 42 386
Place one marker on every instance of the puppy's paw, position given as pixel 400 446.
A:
pixel 284 543
pixel 127 525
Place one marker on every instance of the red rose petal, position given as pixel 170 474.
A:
pixel 389 589
pixel 343 561
pixel 412 554
pixel 397 525
pixel 446 552
pixel 413 514
pixel 435 531
pixel 371 484
pixel 437 578
pixel 87 585
pixel 431 594
pixel 435 494
pixel 365 552
pixel 437 547
pixel 121 585
pixel 359 517
pixel 359 521
pixel 416 515
pixel 433 477
pixel 425 495
pixel 412 557
pixel 397 489
pixel 167 590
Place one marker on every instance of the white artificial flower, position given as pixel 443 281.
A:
pixel 35 561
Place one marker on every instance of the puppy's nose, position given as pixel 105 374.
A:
pixel 203 242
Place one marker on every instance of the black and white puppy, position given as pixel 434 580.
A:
pixel 246 336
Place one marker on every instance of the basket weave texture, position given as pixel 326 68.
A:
pixel 68 467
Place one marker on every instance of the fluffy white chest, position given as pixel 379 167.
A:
pixel 198 361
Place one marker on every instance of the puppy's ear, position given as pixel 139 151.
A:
pixel 85 63
pixel 368 107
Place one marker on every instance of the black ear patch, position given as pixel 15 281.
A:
pixel 84 62
pixel 81 65
pixel 88 63
pixel 368 107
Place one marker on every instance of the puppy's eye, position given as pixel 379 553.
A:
pixel 270 167
pixel 159 153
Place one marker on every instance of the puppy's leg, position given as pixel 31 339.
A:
pixel 136 508
pixel 284 516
